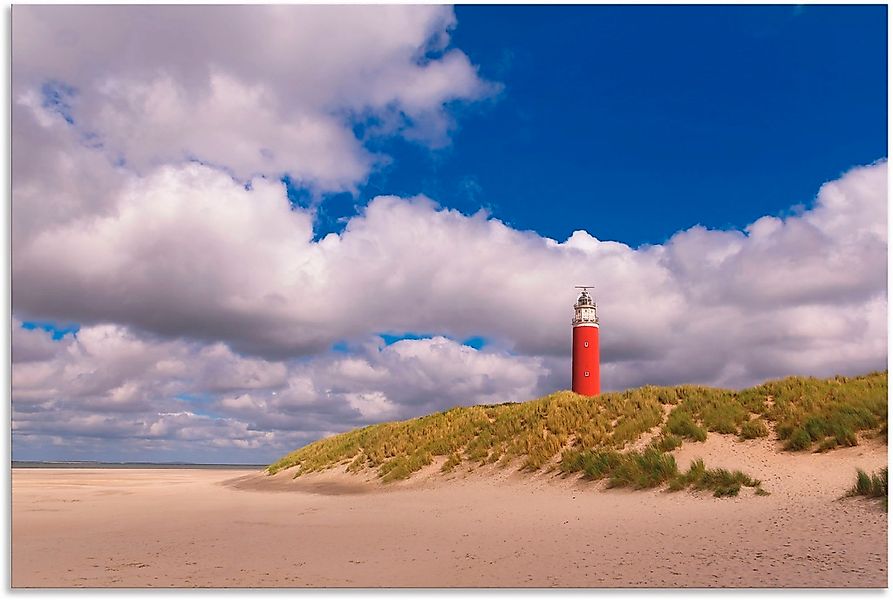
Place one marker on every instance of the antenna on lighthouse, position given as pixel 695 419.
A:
pixel 584 295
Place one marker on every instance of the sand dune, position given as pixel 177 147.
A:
pixel 135 528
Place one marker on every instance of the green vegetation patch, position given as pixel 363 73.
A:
pixel 652 468
pixel 638 469
pixel 754 428
pixel 402 467
pixel 830 412
pixel 871 486
pixel 716 409
pixel 681 423
pixel 721 481
pixel 452 462
pixel 647 469
pixel 667 442
pixel 594 464
pixel 806 411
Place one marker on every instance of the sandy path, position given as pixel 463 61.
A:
pixel 134 528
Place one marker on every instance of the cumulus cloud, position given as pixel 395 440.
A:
pixel 106 384
pixel 188 252
pixel 255 89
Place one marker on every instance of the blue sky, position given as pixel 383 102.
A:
pixel 689 114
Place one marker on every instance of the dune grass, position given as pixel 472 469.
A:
pixel 593 432
pixel 755 428
pixel 806 411
pixel 667 442
pixel 681 423
pixel 871 486
pixel 646 469
pixel 831 412
pixel 453 461
pixel 651 468
pixel 721 481
pixel 637 469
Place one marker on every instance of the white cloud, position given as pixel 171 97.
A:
pixel 254 89
pixel 188 252
pixel 106 384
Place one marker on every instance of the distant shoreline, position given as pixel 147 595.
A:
pixel 34 464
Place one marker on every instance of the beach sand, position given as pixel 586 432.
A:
pixel 215 528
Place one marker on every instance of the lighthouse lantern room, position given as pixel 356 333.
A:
pixel 585 378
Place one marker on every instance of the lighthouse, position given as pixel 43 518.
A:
pixel 585 378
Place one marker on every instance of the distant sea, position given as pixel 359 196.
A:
pixel 74 464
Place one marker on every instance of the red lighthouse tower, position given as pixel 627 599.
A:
pixel 585 367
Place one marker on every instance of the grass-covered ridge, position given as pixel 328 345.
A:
pixel 804 412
